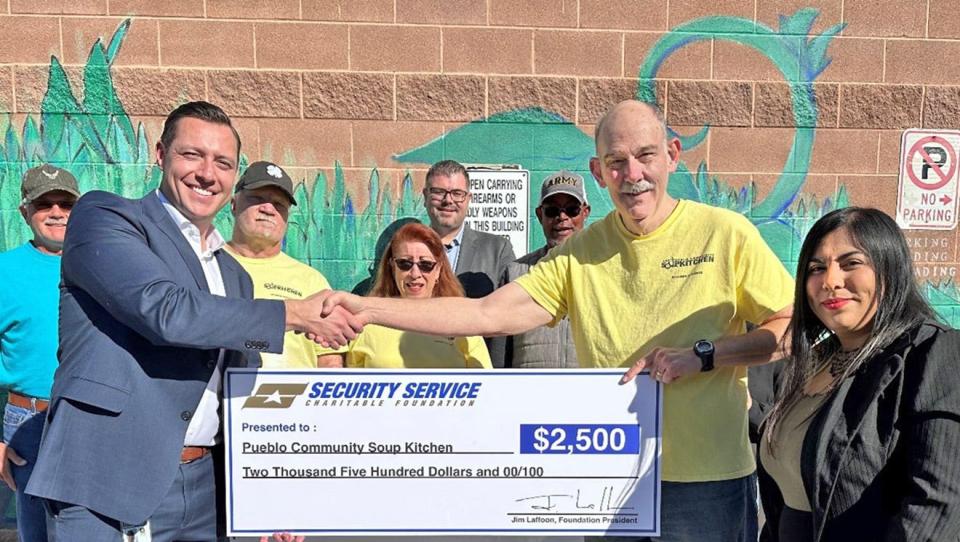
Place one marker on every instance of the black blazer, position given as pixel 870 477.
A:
pixel 881 460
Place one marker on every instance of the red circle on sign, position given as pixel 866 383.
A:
pixel 918 148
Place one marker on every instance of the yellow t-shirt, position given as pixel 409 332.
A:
pixel 703 274
pixel 386 348
pixel 282 277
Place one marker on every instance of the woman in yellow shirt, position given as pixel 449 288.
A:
pixel 415 265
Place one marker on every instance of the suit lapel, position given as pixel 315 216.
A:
pixel 465 260
pixel 231 277
pixel 154 209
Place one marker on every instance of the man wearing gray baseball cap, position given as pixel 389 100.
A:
pixel 29 305
pixel 562 212
pixel 261 210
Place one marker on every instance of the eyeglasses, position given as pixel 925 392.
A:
pixel 456 195
pixel 550 211
pixel 404 264
pixel 44 204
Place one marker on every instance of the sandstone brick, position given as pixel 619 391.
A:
pixel 770 11
pixel 380 11
pixel 139 45
pixel 305 142
pixel 885 18
pixel 694 156
pixel 348 95
pixel 923 62
pixel 583 53
pixel 440 97
pixel 844 152
pixel 30 84
pixel 880 106
pixel 537 13
pixel 854 59
pixel 446 12
pixel 888 161
pixel 941 107
pixel 773 106
pixel 60 7
pixel 215 44
pixel 494 50
pixel 301 46
pixel 167 8
pixel 376 142
pixel 598 95
pixel 399 48
pixel 741 63
pixel 750 150
pixel 249 130
pixel 29 40
pixel 690 62
pixel 157 91
pixel 709 102
pixel 255 93
pixel 878 191
pixel 623 14
pixel 253 9
pixel 943 19
pixel 682 11
pixel 554 94
pixel 6 89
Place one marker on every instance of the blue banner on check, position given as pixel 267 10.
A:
pixel 579 439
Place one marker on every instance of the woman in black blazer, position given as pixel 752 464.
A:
pixel 864 440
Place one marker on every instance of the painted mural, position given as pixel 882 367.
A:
pixel 96 139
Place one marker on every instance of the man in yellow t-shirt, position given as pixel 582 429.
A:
pixel 661 285
pixel 261 207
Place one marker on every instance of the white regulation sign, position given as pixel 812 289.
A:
pixel 498 204
pixel 453 452
pixel 928 188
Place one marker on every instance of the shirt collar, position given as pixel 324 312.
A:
pixel 190 231
pixel 458 240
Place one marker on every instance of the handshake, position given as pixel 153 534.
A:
pixel 330 318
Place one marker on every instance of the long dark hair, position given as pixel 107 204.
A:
pixel 447 283
pixel 900 306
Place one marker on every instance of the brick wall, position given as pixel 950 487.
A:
pixel 314 82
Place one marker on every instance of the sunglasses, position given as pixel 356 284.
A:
pixel 425 266
pixel 553 212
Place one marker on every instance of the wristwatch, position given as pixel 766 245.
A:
pixel 704 350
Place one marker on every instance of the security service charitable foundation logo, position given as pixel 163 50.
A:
pixel 274 396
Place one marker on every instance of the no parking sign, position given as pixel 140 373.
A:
pixel 927 198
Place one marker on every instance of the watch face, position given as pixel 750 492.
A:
pixel 703 347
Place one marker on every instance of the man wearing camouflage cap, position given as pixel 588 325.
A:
pixel 29 303
pixel 562 212
pixel 261 210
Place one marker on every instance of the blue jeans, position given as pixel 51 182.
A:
pixel 22 429
pixel 724 511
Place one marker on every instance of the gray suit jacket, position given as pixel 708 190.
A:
pixel 483 257
pixel 139 339
pixel 879 460
pixel 539 348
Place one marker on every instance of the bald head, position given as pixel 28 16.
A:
pixel 627 112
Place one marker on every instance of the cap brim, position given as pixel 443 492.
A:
pixel 262 184
pixel 581 198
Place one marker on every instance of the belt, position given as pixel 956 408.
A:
pixel 192 453
pixel 23 401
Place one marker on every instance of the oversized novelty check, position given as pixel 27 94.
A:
pixel 453 452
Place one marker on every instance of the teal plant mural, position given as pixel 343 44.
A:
pixel 96 139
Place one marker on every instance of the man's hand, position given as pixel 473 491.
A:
pixel 333 299
pixel 8 455
pixel 282 537
pixel 665 365
pixel 333 328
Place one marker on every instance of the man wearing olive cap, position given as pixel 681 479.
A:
pixel 29 302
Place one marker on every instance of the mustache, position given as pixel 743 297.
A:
pixel 635 188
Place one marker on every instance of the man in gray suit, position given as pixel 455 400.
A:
pixel 478 259
pixel 562 212
pixel 151 312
